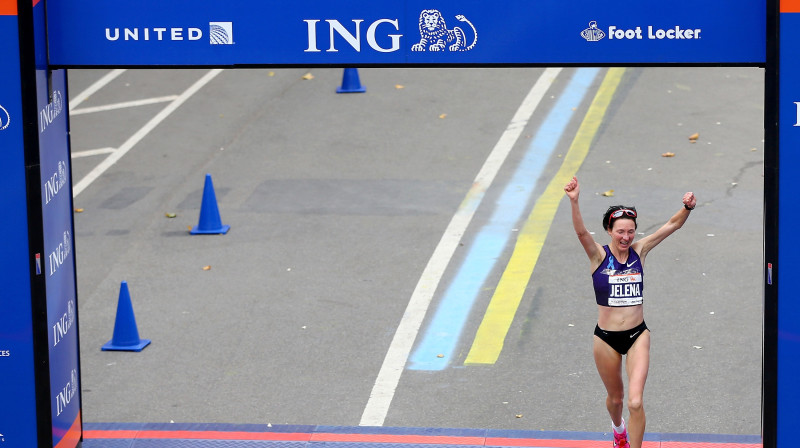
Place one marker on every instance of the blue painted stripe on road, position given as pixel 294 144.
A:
pixel 441 337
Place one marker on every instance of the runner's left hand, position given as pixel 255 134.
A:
pixel 689 200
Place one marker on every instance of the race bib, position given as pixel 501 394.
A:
pixel 625 289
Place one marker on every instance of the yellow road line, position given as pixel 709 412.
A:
pixel 503 307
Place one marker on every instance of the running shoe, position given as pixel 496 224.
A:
pixel 621 440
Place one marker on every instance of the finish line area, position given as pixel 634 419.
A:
pixel 214 435
pixel 335 206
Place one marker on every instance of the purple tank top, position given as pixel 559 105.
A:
pixel 619 284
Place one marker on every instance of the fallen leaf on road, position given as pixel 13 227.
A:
pixel 442 115
pixel 308 76
pixel 693 138
pixel 399 86
pixel 170 215
pixel 608 193
pixel 207 268
pixel 78 210
pixel 668 154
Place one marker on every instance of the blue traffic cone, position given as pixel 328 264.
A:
pixel 350 82
pixel 126 335
pixel 210 222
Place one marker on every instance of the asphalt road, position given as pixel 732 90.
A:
pixel 336 204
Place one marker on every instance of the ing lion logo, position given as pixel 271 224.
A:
pixel 58 101
pixel 62 173
pixel 5 118
pixel 434 35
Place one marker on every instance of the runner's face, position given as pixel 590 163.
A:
pixel 622 233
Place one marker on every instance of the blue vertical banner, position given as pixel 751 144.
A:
pixel 18 422
pixel 788 319
pixel 40 401
pixel 58 259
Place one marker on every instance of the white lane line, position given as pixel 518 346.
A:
pixel 123 105
pixel 396 357
pixel 142 133
pixel 92 152
pixel 99 84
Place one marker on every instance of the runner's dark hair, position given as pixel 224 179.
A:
pixel 609 224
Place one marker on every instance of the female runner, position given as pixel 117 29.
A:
pixel 617 273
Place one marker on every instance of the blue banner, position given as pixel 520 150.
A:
pixel 58 264
pixel 58 259
pixel 465 32
pixel 788 406
pixel 18 408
